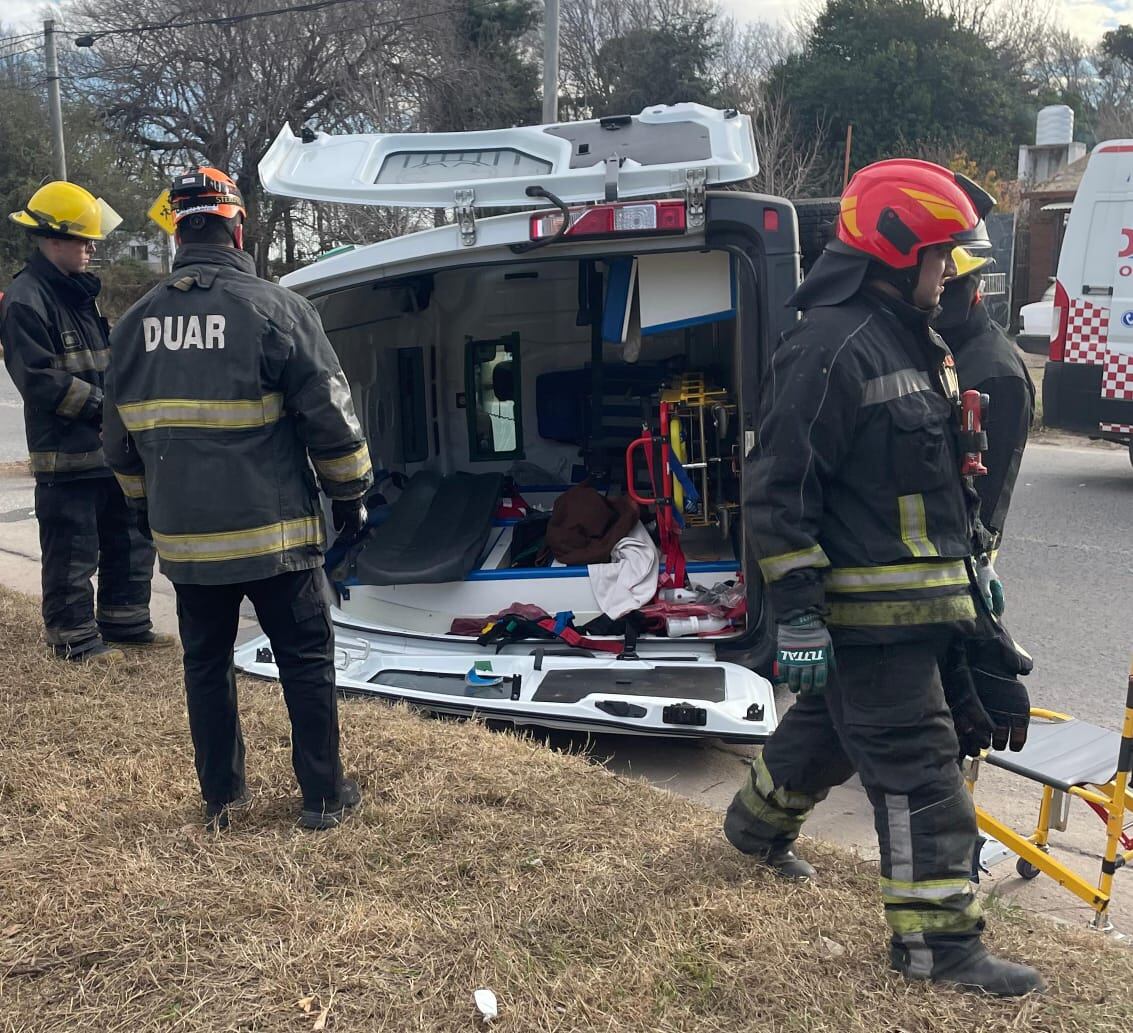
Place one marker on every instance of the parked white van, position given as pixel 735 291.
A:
pixel 1088 384
pixel 616 328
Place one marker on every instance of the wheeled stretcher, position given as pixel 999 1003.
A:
pixel 1070 759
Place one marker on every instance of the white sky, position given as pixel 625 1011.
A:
pixel 1087 18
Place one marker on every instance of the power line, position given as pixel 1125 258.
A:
pixel 232 19
pixel 388 23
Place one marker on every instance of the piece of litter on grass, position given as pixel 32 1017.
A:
pixel 832 947
pixel 486 1004
pixel 307 1004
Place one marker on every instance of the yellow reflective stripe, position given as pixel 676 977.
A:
pixel 83 360
pixel 196 412
pixel 235 545
pixel 775 567
pixel 896 577
pixel 907 921
pixel 897 613
pixel 133 487
pixel 349 467
pixel 66 462
pixel 78 391
pixel 914 526
pixel 896 891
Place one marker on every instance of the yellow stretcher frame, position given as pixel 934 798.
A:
pixel 1114 798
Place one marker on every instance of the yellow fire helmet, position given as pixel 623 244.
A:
pixel 62 209
pixel 967 263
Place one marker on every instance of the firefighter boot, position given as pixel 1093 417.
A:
pixel 969 965
pixel 332 814
pixel 763 844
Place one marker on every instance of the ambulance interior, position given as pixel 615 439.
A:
pixel 486 391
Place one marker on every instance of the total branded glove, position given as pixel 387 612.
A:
pixel 974 726
pixel 349 517
pixel 991 588
pixel 1007 704
pixel 803 654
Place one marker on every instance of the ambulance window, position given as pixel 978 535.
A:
pixel 1105 241
pixel 493 399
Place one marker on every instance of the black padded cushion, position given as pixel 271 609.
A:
pixel 435 532
pixel 1063 754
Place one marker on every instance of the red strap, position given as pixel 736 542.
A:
pixel 573 638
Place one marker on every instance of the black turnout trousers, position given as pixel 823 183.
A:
pixel 85 526
pixel 293 611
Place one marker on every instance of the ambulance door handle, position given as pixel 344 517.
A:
pixel 1088 289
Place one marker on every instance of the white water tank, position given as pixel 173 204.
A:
pixel 1055 125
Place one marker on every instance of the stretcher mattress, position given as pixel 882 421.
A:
pixel 436 530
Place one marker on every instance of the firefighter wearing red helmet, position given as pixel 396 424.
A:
pixel 866 532
pixel 225 393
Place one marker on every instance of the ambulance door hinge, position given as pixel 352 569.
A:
pixel 613 168
pixel 695 180
pixel 463 201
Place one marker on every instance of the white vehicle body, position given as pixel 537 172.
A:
pixel 482 349
pixel 1088 383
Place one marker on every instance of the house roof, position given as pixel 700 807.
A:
pixel 1065 181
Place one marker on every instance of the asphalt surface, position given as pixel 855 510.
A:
pixel 1067 568
pixel 12 442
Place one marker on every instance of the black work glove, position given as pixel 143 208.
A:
pixel 1007 704
pixel 141 521
pixel 974 727
pixel 348 517
pixel 803 654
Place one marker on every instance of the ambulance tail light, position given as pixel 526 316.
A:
pixel 630 219
pixel 1059 318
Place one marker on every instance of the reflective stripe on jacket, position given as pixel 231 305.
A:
pixel 853 495
pixel 57 349
pixel 224 391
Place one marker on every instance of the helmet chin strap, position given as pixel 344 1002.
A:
pixel 903 280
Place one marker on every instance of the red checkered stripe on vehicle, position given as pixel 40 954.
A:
pixel 1117 377
pixel 1087 331
pixel 1116 428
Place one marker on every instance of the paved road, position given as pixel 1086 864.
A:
pixel 12 442
pixel 1068 570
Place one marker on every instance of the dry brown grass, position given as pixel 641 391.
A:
pixel 585 901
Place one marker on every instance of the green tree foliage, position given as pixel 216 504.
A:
pixel 499 81
pixel 908 80
pixel 95 160
pixel 670 63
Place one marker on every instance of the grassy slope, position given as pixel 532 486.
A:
pixel 586 902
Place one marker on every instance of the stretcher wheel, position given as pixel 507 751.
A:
pixel 1025 869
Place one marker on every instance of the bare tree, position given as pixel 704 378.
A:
pixel 217 82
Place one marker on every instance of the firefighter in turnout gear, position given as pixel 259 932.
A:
pixel 224 393
pixel 989 362
pixel 56 351
pixel 865 528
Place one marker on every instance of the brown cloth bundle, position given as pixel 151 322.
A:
pixel 585 525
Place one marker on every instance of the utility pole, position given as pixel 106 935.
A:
pixel 551 61
pixel 59 158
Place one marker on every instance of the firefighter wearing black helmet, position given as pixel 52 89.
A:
pixel 57 351
pixel 866 530
pixel 225 393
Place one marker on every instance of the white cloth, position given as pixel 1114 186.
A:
pixel 629 580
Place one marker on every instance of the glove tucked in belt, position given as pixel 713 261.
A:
pixel 803 654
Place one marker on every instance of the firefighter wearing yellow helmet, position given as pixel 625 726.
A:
pixel 57 350
pixel 988 361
